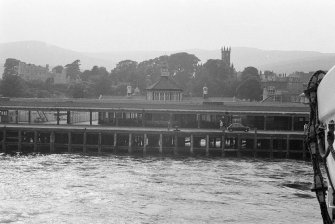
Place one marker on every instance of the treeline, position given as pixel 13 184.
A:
pixel 221 79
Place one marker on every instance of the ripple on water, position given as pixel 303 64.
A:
pixel 123 189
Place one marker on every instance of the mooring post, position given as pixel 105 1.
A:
pixel 69 142
pixel 35 141
pixel 192 144
pixel 161 143
pixel 99 143
pixel 84 141
pixel 207 145
pixel 130 141
pixel 52 141
pixel 19 146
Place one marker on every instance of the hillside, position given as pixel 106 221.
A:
pixel 41 53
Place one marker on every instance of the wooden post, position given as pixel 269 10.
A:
pixel 99 143
pixel 292 123
pixel 271 147
pixel 223 143
pixel 304 150
pixel 207 145
pixel 144 144
pixel 52 141
pixel 35 141
pixel 58 118
pixel 238 145
pixel 161 143
pixel 69 142
pixel 115 141
pixel 68 117
pixel 255 143
pixel 16 116
pixel 84 141
pixel 175 151
pixel 4 133
pixel 130 141
pixel 287 146
pixel 29 116
pixel 19 146
pixel 198 120
pixel 192 144
pixel 90 117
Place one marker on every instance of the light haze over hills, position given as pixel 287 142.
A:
pixel 41 53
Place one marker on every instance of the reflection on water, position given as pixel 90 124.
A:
pixel 114 189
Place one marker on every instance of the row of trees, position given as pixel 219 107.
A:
pixel 190 75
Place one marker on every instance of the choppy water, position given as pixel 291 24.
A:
pixel 111 189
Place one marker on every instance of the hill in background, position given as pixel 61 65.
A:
pixel 41 53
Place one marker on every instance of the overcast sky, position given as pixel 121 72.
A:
pixel 109 25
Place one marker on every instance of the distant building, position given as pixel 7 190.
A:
pixel 31 72
pixel 225 55
pixel 280 88
pixel 60 77
pixel 165 89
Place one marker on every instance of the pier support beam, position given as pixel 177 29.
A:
pixel 115 141
pixel 192 144
pixel 239 146
pixel 255 144
pixel 265 118
pixel 68 117
pixel 69 142
pixel 130 141
pixel 145 144
pixel 161 143
pixel 175 150
pixel 303 150
pixel 90 117
pixel 19 144
pixel 29 116
pixel 99 143
pixel 287 146
pixel 207 145
pixel 271 147
pixel 223 143
pixel 4 135
pixel 52 142
pixel 58 118
pixel 84 142
pixel 16 116
pixel 35 141
pixel 198 120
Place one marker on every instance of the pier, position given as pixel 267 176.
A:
pixel 114 127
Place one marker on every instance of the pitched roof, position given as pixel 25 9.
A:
pixel 165 83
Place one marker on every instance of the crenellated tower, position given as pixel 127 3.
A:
pixel 225 55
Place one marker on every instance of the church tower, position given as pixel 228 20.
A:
pixel 225 55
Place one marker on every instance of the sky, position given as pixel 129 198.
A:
pixel 171 25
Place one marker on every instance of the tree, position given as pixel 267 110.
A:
pixel 250 72
pixel 125 71
pixel 10 66
pixel 13 86
pixel 249 89
pixel 73 70
pixel 58 69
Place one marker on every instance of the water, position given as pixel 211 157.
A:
pixel 112 189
